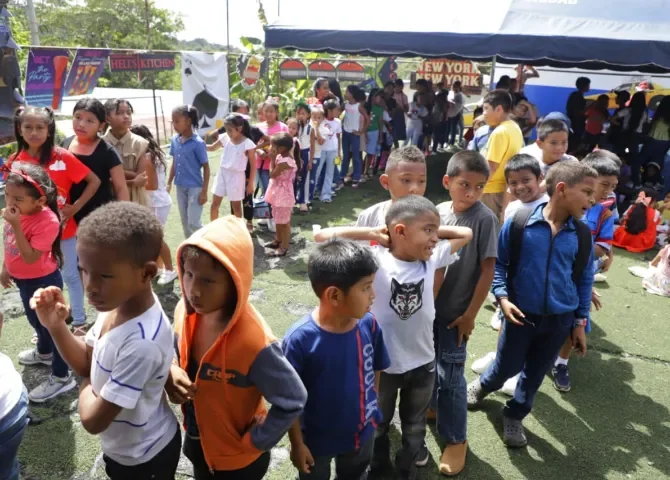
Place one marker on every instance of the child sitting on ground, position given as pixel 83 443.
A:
pixel 405 310
pixel 228 362
pixel 637 230
pixel 550 301
pixel 338 350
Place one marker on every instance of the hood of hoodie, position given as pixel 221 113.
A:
pixel 228 241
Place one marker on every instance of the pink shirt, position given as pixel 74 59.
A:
pixel 280 191
pixel 664 264
pixel 263 162
pixel 41 231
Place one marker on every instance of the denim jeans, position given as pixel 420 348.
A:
pixel 72 279
pixel 264 179
pixel 45 344
pixel 449 396
pixel 530 349
pixel 666 174
pixel 327 164
pixel 439 135
pixel 190 210
pixel 351 148
pixel 452 129
pixel 12 427
pixel 414 134
pixel 349 466
pixel 416 388
pixel 305 190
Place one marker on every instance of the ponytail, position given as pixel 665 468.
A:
pixel 190 112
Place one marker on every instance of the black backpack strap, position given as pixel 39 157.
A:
pixel 585 245
pixel 518 226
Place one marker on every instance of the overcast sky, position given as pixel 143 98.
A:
pixel 207 18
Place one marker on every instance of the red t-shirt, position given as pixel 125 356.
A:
pixel 41 231
pixel 64 169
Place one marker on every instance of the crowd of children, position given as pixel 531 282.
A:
pixel 398 293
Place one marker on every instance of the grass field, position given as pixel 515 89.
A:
pixel 614 424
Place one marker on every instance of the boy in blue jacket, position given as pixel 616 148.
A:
pixel 544 290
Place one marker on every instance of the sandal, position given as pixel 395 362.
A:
pixel 79 330
pixel 274 244
pixel 279 252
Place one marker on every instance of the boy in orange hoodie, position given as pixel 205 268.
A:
pixel 228 361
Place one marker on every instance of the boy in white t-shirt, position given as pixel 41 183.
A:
pixel 552 143
pixel 409 252
pixel 126 356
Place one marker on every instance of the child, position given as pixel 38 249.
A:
pixel 238 152
pixel 551 144
pixel 550 301
pixel 338 350
pixel 405 175
pixel 270 126
pixel 88 121
pixel 13 415
pixel 35 130
pixel 189 154
pixel 280 191
pixel 317 137
pixel 523 176
pixel 228 362
pixel 415 115
pixel 505 141
pixel 32 260
pixel 128 352
pixel 158 198
pixel 354 124
pixel 131 148
pixel 306 183
pixel 376 112
pixel 657 280
pixel 596 116
pixel 462 294
pixel 455 112
pixel 637 230
pixel 330 149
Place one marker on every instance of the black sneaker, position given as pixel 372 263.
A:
pixel 422 457
pixel 561 378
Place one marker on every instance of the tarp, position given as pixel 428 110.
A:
pixel 624 35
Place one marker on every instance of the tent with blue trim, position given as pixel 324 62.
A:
pixel 623 35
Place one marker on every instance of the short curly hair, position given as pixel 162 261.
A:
pixel 126 228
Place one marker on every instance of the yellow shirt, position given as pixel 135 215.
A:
pixel 666 212
pixel 505 142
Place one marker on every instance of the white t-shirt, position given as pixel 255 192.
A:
pixel 333 128
pixel 352 117
pixel 516 205
pixel 324 131
pixel 534 150
pixel 129 369
pixel 374 216
pixel 455 103
pixel 303 137
pixel 405 308
pixel 234 157
pixel 11 385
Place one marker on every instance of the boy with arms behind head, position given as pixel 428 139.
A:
pixel 549 301
pixel 405 310
pixel 228 362
pixel 121 397
pixel 338 351
pixel 405 174
pixel 462 294
pixel 505 142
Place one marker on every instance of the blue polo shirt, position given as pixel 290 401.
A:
pixel 338 371
pixel 188 157
pixel 600 220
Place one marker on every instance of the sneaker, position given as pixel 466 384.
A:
pixel 363 180
pixel 355 185
pixel 51 387
pixel 422 457
pixel 159 272
pixel 452 461
pixel 480 365
pixel 497 319
pixel 561 378
pixel 509 386
pixel 475 394
pixel 514 434
pixel 167 277
pixel 339 187
pixel 327 200
pixel 599 278
pixel 31 357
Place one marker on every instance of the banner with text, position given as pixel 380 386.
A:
pixel 45 76
pixel 85 71
pixel 204 84
pixel 142 62
pixel 445 71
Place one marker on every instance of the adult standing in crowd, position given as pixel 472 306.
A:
pixel 576 111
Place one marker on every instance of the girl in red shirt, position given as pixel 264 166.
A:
pixel 35 130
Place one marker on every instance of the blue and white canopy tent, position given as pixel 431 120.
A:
pixel 620 35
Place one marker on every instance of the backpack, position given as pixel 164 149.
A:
pixel 519 221
pixel 636 221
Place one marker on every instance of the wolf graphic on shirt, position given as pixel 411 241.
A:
pixel 406 298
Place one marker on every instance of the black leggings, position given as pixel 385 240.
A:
pixel 162 467
pixel 254 471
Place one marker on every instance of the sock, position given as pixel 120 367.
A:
pixel 561 361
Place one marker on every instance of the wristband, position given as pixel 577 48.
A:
pixel 580 322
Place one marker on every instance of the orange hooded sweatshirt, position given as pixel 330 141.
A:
pixel 243 366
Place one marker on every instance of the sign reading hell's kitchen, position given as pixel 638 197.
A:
pixel 449 71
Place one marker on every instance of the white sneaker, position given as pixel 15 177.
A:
pixel 509 386
pixel 159 272
pixel 497 319
pixel 51 387
pixel 263 221
pixel 168 276
pixel 31 357
pixel 272 226
pixel 638 271
pixel 480 365
pixel 599 278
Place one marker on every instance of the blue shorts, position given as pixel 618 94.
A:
pixel 371 145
